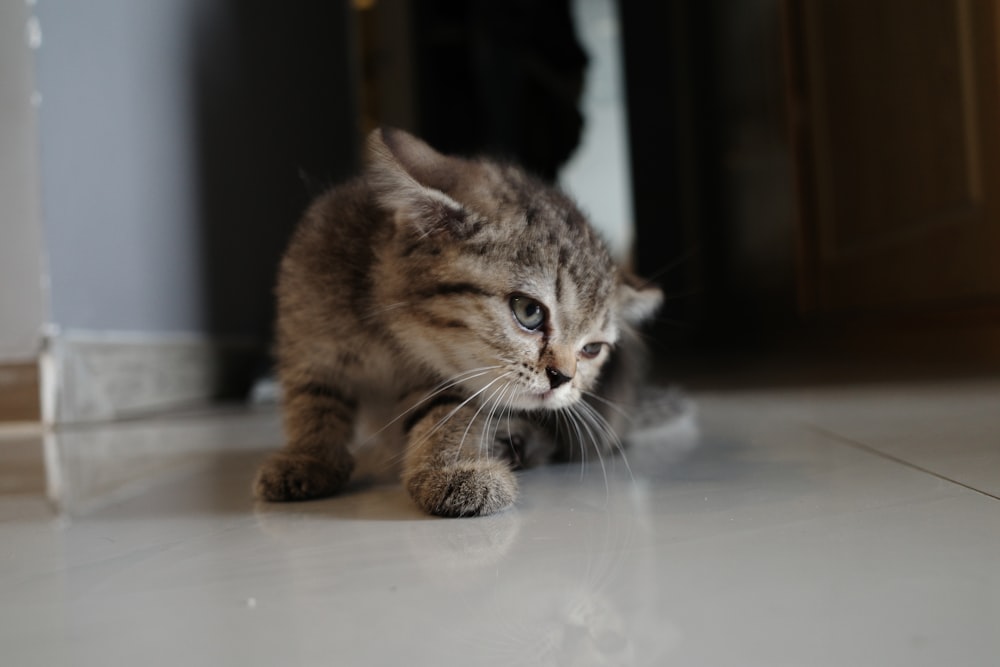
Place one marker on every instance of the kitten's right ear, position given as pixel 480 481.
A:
pixel 638 301
pixel 405 174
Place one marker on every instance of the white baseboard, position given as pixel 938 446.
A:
pixel 89 376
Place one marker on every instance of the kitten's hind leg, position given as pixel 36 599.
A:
pixel 319 423
pixel 447 470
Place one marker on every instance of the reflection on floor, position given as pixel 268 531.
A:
pixel 855 525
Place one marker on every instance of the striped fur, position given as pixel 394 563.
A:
pixel 396 290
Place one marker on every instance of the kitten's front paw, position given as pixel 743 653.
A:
pixel 288 476
pixel 469 488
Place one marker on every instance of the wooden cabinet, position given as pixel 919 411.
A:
pixel 896 130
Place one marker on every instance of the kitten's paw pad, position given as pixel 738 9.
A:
pixel 290 477
pixel 464 489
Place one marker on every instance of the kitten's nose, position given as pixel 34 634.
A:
pixel 556 377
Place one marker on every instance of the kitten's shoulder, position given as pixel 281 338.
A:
pixel 338 223
pixel 326 266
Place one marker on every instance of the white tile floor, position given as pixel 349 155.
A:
pixel 857 525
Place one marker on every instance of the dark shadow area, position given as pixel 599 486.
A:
pixel 501 78
pixel 710 158
pixel 275 102
pixel 670 110
pixel 818 361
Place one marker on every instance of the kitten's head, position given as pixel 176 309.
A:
pixel 490 277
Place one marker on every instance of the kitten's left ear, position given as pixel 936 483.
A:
pixel 410 178
pixel 637 300
pixel 416 158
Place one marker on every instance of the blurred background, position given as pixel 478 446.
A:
pixel 814 183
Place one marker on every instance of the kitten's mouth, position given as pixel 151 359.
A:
pixel 534 400
pixel 552 399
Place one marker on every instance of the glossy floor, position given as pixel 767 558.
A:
pixel 855 525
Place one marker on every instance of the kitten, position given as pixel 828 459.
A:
pixel 467 303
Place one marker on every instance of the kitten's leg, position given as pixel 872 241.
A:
pixel 319 423
pixel 448 470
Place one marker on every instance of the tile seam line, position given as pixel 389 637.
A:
pixel 895 459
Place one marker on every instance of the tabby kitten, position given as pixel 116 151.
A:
pixel 468 307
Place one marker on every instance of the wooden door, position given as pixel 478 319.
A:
pixel 896 124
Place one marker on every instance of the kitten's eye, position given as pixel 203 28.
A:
pixel 591 350
pixel 529 313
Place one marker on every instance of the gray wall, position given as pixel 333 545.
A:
pixel 119 164
pixel 174 138
pixel 22 311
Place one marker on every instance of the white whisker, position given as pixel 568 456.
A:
pixel 502 404
pixel 475 416
pixel 583 417
pixel 434 429
pixel 614 406
pixel 464 376
pixel 508 409
pixel 612 437
pixel 573 421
